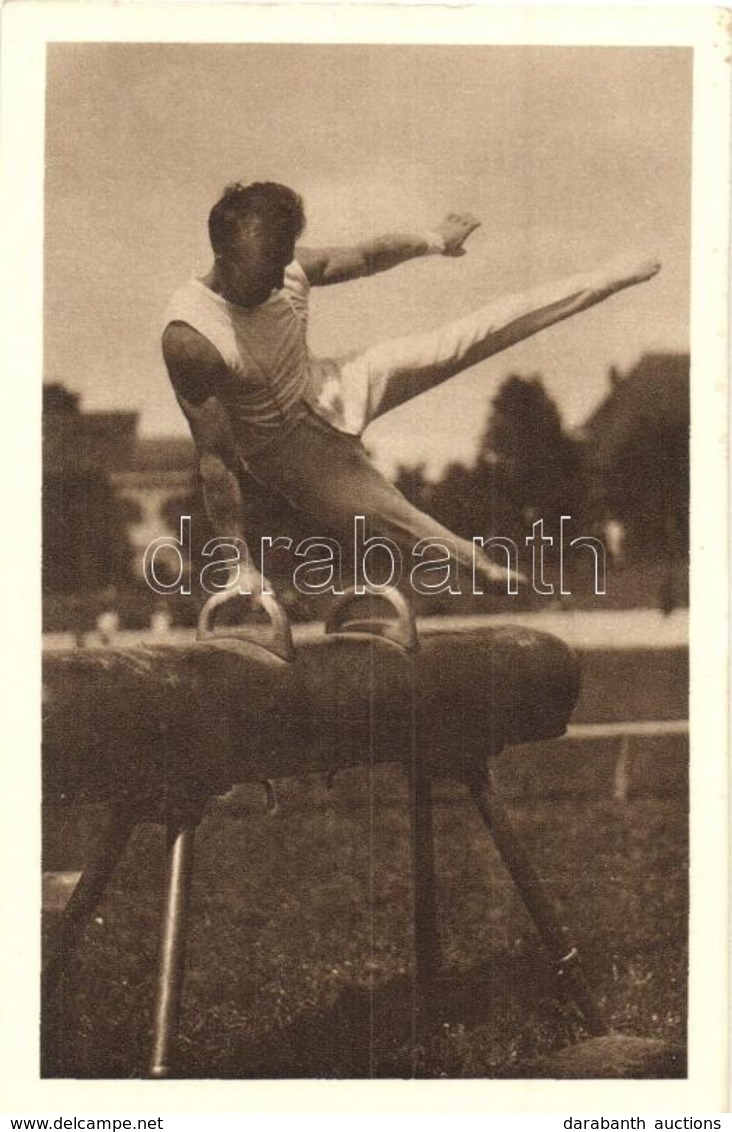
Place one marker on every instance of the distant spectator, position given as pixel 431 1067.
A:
pixel 667 592
pixel 108 617
pixel 161 622
pixel 107 625
pixel 614 539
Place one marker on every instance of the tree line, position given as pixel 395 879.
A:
pixel 528 467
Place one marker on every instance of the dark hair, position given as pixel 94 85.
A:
pixel 266 200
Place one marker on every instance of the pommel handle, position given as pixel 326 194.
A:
pixel 276 637
pixel 401 630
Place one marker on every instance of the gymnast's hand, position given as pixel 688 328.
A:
pixel 243 579
pixel 454 230
pixel 255 584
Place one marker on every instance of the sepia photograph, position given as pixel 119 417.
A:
pixel 369 402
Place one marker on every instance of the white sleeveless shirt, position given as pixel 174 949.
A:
pixel 271 377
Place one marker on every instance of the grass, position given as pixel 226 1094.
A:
pixel 300 936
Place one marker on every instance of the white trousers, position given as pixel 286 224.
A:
pixel 351 391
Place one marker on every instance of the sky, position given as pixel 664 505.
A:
pixel 569 155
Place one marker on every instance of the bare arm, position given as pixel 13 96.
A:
pixel 197 373
pixel 336 265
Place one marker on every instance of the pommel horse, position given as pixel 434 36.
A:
pixel 154 731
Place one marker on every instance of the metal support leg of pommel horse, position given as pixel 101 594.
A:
pixel 348 616
pixel 553 933
pixel 181 835
pixel 87 895
pixel 171 966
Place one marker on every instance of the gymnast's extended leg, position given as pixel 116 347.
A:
pixel 387 375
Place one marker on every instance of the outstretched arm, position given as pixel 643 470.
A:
pixel 336 265
pixel 197 371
